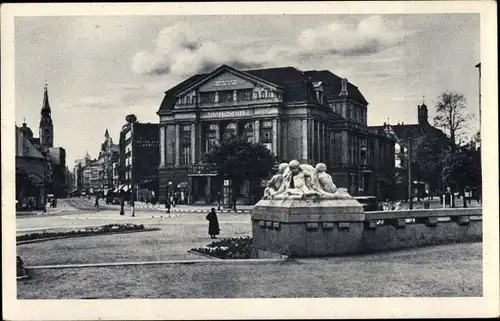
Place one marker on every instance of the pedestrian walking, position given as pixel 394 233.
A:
pixel 213 224
pixel 96 201
pixel 167 205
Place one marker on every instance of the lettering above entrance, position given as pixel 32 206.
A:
pixel 226 81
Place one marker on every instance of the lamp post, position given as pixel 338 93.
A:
pixel 172 183
pixel 361 159
pixel 410 194
pixel 131 119
pixel 478 66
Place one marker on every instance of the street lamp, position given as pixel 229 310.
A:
pixel 131 119
pixel 361 159
pixel 478 66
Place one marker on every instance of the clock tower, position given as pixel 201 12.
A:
pixel 46 126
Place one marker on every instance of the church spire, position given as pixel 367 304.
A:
pixel 106 134
pixel 46 125
pixel 45 104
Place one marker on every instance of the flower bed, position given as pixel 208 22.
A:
pixel 109 228
pixel 230 248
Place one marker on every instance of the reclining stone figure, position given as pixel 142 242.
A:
pixel 303 181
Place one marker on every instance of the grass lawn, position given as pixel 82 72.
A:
pixel 170 243
pixel 447 270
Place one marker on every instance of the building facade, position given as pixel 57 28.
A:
pixel 32 172
pixel 403 133
pixel 139 155
pixel 312 116
pixel 55 181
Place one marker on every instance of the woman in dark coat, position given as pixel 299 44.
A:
pixel 213 224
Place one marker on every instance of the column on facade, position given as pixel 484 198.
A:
pixel 199 141
pixel 275 137
pixel 323 143
pixel 217 132
pixel 177 147
pixel 313 141
pixel 256 135
pixel 304 139
pixel 318 141
pixel 193 143
pixel 162 146
pixel 235 95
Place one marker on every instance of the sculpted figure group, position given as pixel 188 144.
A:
pixel 303 181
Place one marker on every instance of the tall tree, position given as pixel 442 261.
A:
pixel 451 115
pixel 241 161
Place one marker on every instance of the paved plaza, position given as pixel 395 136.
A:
pixel 448 270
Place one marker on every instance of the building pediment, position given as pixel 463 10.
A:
pixel 227 79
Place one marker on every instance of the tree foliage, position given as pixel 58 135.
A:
pixel 427 159
pixel 451 114
pixel 463 168
pixel 241 160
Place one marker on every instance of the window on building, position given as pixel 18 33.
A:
pixel 225 96
pixel 269 94
pixel 230 131
pixel 262 94
pixel 186 128
pixel 188 100
pixel 249 132
pixel 185 158
pixel 255 95
pixel 208 97
pixel 245 94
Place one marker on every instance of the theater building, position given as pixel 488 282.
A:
pixel 312 116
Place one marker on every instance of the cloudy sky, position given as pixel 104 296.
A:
pixel 99 69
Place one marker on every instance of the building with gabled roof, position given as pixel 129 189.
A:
pixel 40 167
pixel 312 116
pixel 403 133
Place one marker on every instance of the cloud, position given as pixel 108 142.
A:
pixel 179 51
pixel 369 37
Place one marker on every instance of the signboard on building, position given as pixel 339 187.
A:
pixel 228 114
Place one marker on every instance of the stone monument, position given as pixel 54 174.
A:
pixel 304 214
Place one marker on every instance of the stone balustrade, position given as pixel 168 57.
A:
pixel 299 231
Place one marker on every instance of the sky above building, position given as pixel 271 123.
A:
pixel 99 69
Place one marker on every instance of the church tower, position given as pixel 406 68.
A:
pixel 46 126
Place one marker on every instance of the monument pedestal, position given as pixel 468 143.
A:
pixel 303 228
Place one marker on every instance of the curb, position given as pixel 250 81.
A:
pixel 181 262
pixel 194 210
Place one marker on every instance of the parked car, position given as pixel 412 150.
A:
pixel 369 203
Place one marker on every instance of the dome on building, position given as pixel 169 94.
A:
pixel 26 131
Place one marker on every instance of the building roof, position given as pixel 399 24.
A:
pixel 332 85
pixel 28 149
pixel 297 85
pixel 403 132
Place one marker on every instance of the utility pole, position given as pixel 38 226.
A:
pixel 410 196
pixel 478 66
pixel 442 176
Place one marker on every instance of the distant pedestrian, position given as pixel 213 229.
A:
pixel 96 201
pixel 167 205
pixel 213 224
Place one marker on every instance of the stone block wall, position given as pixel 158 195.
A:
pixel 303 232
